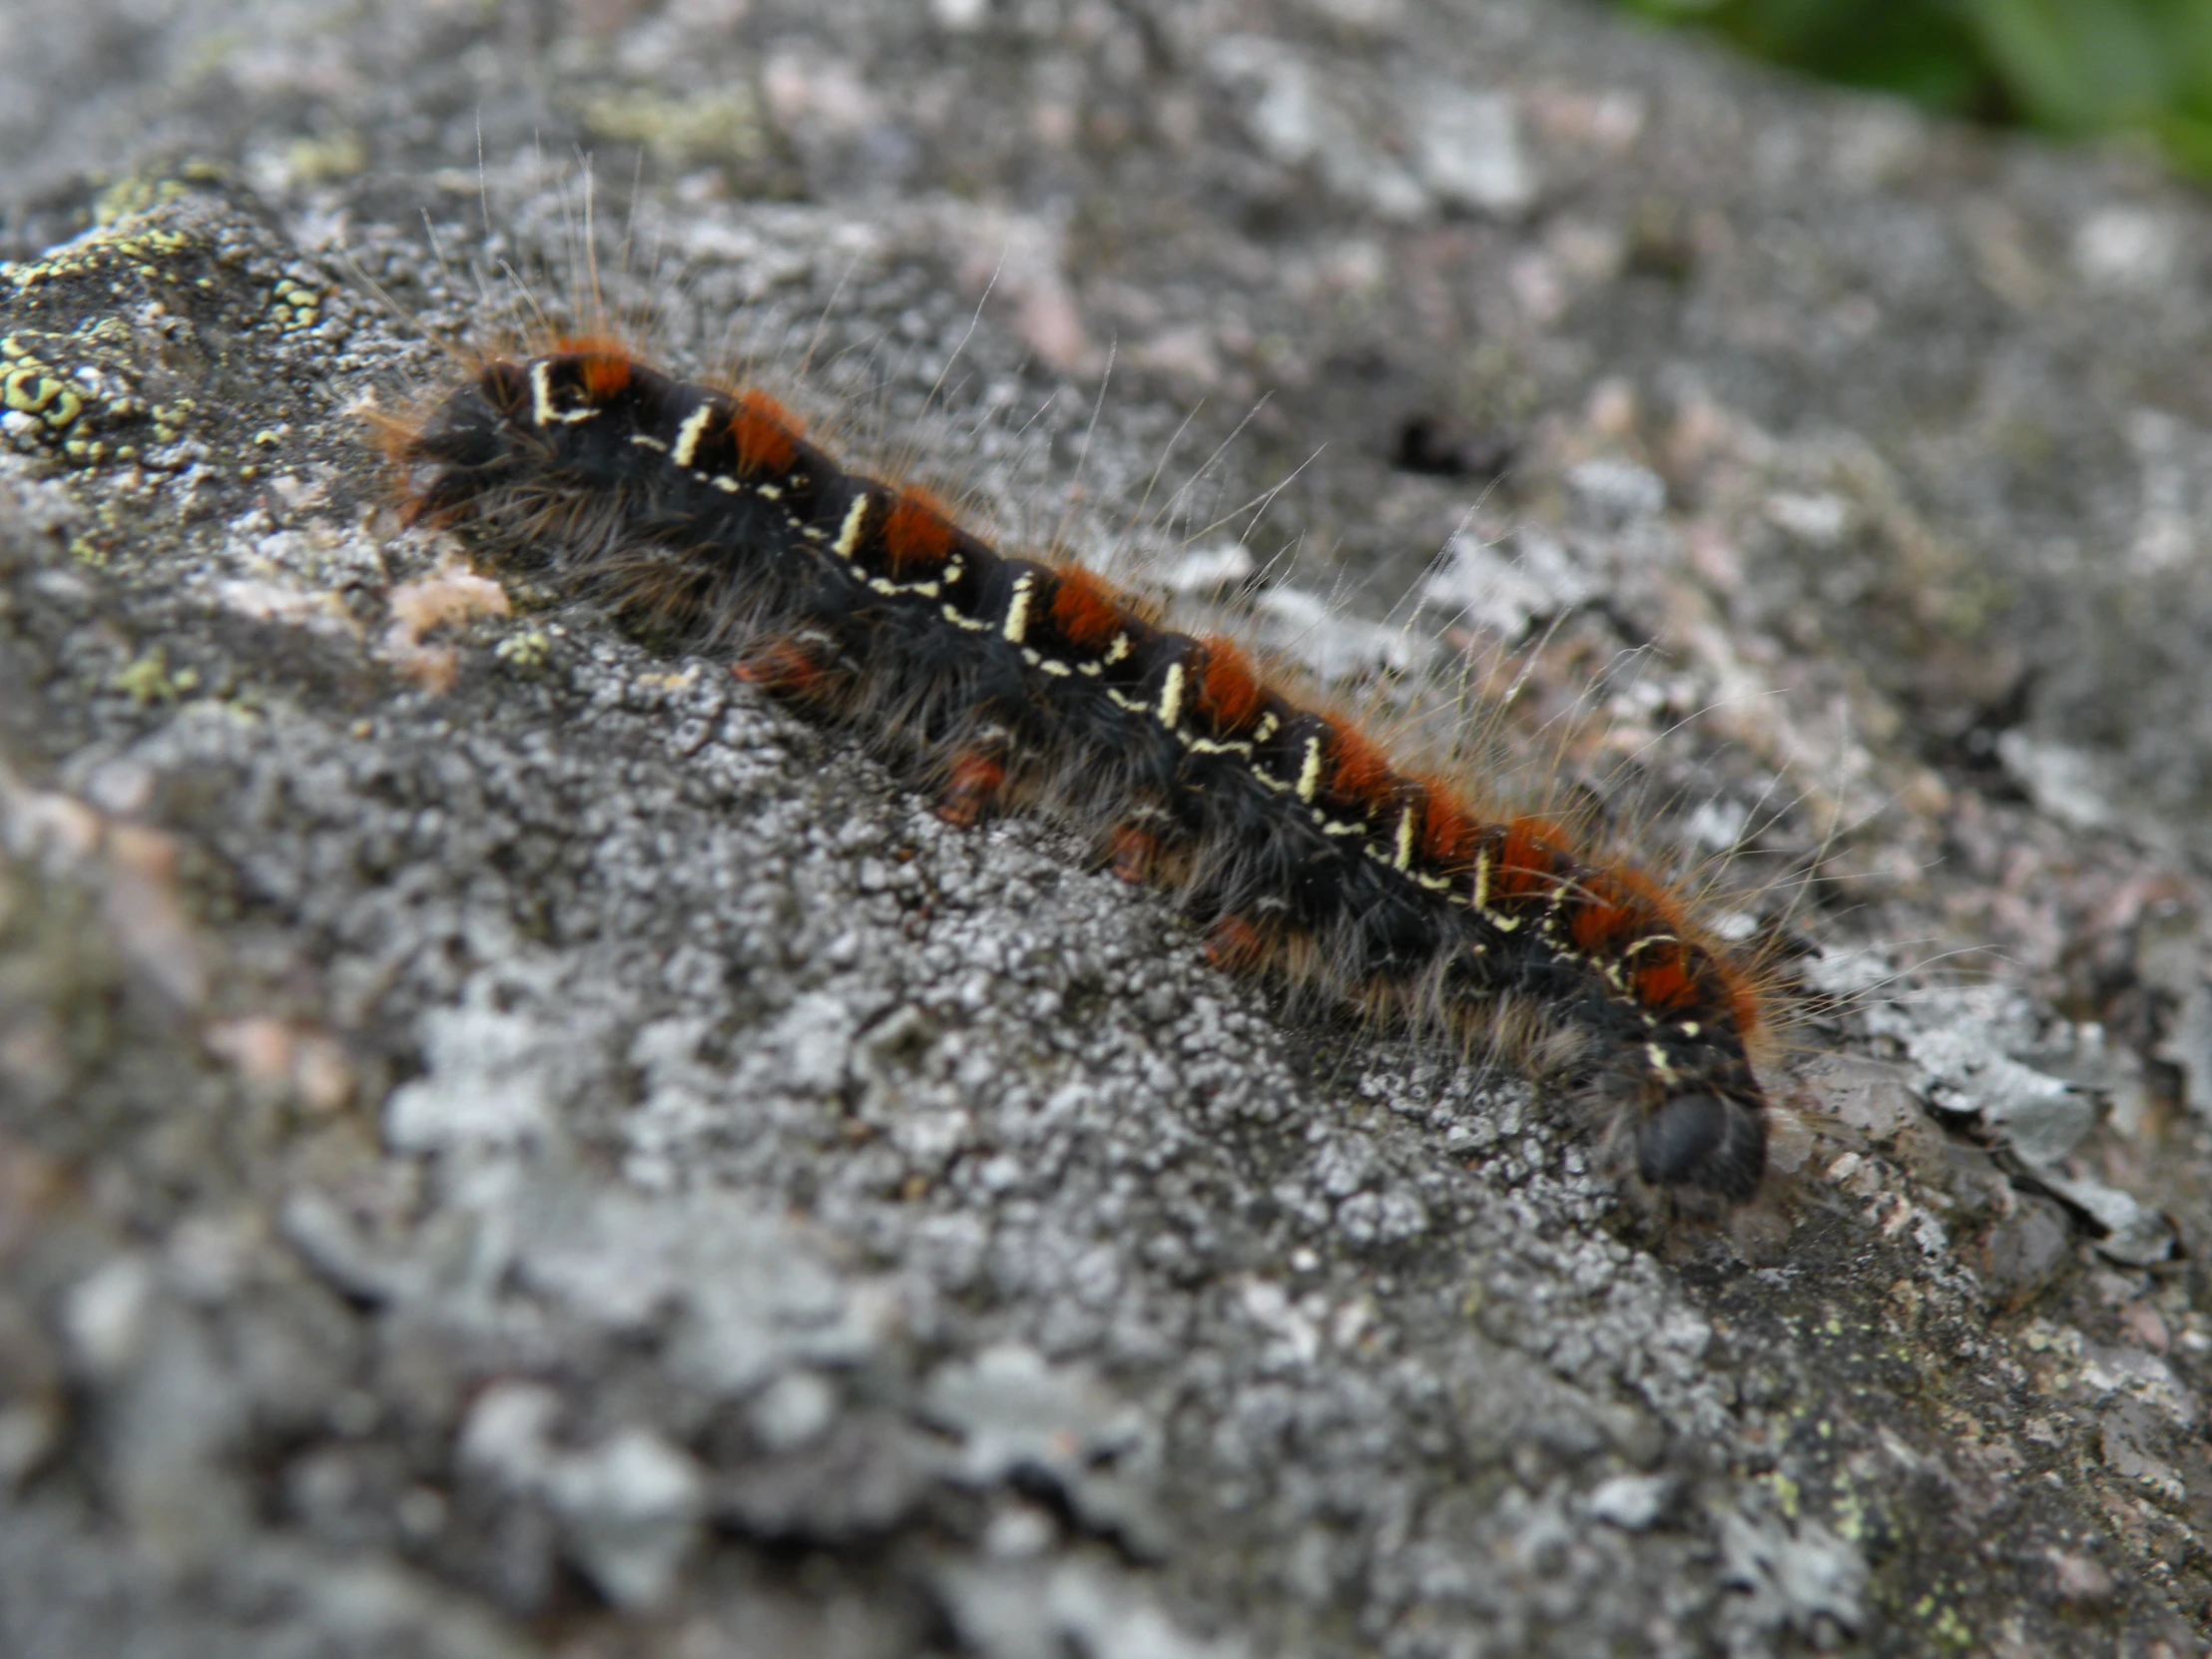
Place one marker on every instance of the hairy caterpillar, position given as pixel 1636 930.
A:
pixel 1027 684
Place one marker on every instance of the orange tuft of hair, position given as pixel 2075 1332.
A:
pixel 393 434
pixel 1605 912
pixel 1449 831
pixel 765 433
pixel 1531 854
pixel 917 534
pixel 1665 981
pixel 1745 1002
pixel 1228 693
pixel 1357 771
pixel 1084 609
pixel 605 367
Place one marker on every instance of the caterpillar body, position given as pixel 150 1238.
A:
pixel 1009 683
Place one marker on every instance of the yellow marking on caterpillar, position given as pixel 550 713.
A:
pixel 542 412
pixel 688 436
pixel 1171 695
pixel 1502 922
pixel 1017 609
pixel 1309 772
pixel 849 533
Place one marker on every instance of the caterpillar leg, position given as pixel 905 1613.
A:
pixel 1236 945
pixel 1132 854
pixel 801 665
pixel 973 786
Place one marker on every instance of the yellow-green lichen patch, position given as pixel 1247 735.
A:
pixel 145 250
pixel 32 388
pixel 526 653
pixel 148 680
pixel 1849 1513
pixel 1785 1490
pixel 295 305
pixel 718 128
pixel 337 155
pixel 142 193
pixel 111 336
pixel 72 396
pixel 1941 1619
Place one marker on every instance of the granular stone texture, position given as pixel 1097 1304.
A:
pixel 513 1141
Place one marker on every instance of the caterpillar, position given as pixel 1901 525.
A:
pixel 709 519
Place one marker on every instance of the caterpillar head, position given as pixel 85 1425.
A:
pixel 1703 1139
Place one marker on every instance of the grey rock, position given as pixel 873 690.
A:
pixel 1631 1502
pixel 1467 150
pixel 511 1140
pixel 1023 1613
pixel 1798 1577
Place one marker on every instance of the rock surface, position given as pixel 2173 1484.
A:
pixel 514 1143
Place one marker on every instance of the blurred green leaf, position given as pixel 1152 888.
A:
pixel 2074 67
